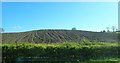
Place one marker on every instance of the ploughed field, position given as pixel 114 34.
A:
pixel 60 46
pixel 52 36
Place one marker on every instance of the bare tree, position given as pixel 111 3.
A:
pixel 113 28
pixel 116 30
pixel 1 30
pixel 108 29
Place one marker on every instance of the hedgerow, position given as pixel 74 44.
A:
pixel 67 51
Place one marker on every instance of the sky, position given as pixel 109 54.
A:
pixel 60 0
pixel 90 16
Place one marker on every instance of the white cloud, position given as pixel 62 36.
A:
pixel 17 27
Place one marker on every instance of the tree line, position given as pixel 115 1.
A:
pixel 113 28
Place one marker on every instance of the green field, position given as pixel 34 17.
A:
pixel 65 52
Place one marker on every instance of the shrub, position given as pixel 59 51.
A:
pixel 53 52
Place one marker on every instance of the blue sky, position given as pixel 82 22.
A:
pixel 91 16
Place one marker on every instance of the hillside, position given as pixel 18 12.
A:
pixel 49 36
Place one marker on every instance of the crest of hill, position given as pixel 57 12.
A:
pixel 59 35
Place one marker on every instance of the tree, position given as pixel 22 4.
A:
pixel 104 31
pixel 108 29
pixel 1 30
pixel 116 30
pixel 113 28
pixel 73 28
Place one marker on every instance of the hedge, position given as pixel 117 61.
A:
pixel 65 52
